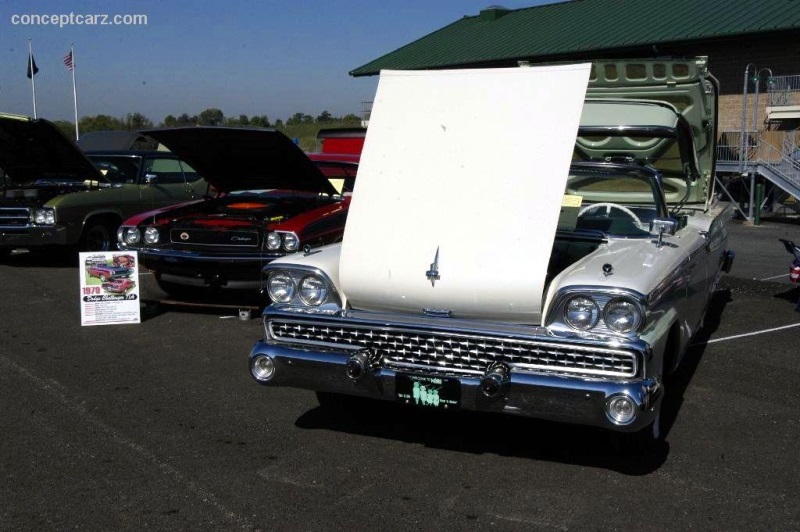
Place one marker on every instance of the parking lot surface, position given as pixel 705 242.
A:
pixel 159 425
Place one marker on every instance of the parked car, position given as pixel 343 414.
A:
pixel 528 271
pixel 269 199
pixel 105 272
pixel 341 140
pixel 119 286
pixel 52 195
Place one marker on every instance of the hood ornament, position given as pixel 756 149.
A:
pixel 433 273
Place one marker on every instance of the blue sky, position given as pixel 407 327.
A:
pixel 271 58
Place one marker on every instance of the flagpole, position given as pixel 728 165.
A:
pixel 74 90
pixel 33 83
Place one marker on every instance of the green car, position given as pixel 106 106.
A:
pixel 52 195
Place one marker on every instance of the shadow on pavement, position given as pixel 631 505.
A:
pixel 480 433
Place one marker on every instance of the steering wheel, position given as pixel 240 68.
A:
pixel 636 221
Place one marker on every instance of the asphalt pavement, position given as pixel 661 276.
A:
pixel 160 426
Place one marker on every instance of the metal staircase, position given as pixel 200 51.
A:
pixel 780 167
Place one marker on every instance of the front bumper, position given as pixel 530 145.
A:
pixel 551 395
pixel 206 270
pixel 33 236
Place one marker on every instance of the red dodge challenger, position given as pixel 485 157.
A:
pixel 267 198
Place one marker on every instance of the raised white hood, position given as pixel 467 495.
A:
pixel 459 190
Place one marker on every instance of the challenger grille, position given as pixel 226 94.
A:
pixel 14 216
pixel 206 237
pixel 457 352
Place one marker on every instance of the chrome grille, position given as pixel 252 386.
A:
pixel 211 237
pixel 15 216
pixel 456 352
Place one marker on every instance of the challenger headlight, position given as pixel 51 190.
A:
pixel 44 216
pixel 151 235
pixel 280 287
pixel 581 313
pixel 313 290
pixel 290 242
pixel 130 235
pixel 621 315
pixel 273 241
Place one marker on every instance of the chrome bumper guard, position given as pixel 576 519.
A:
pixel 536 376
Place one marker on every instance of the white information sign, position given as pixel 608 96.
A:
pixel 109 288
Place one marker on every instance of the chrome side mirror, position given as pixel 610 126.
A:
pixel 150 179
pixel 662 226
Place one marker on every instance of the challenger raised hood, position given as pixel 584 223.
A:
pixel 459 191
pixel 34 151
pixel 244 158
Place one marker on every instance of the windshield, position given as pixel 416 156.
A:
pixel 118 168
pixel 614 199
pixel 661 153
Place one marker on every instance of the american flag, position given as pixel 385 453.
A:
pixel 68 61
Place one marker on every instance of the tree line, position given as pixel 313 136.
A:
pixel 300 126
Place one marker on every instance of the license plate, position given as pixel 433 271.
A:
pixel 428 392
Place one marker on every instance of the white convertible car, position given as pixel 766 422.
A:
pixel 537 241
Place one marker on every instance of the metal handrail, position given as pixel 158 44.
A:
pixel 783 90
pixel 785 161
pixel 762 157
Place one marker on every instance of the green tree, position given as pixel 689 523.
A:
pixel 66 127
pixel 259 121
pixel 101 123
pixel 170 121
pixel 211 117
pixel 324 116
pixel 243 120
pixel 351 120
pixel 186 120
pixel 137 122
pixel 300 118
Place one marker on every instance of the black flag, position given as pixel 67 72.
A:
pixel 32 68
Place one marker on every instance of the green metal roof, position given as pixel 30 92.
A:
pixel 563 30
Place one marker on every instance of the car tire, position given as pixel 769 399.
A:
pixel 103 278
pixel 98 236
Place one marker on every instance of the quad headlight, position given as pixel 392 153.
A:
pixel 274 241
pixel 290 241
pixel 301 287
pixel 44 216
pixel 151 235
pixel 282 239
pixel 581 313
pixel 281 287
pixel 313 290
pixel 619 314
pixel 129 235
